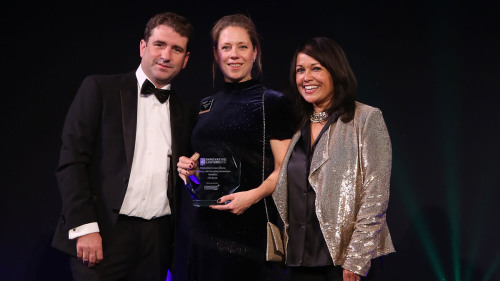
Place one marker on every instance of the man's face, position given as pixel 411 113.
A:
pixel 164 55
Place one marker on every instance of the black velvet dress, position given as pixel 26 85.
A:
pixel 225 246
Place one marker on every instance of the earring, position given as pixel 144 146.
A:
pixel 253 59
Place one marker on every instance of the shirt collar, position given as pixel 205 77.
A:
pixel 141 77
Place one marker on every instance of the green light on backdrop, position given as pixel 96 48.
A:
pixel 405 183
pixel 481 208
pixel 447 93
pixel 492 269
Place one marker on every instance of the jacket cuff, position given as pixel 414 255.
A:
pixel 358 267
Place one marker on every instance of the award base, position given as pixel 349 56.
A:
pixel 205 203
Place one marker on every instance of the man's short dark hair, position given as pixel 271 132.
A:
pixel 178 23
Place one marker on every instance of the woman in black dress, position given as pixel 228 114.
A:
pixel 228 242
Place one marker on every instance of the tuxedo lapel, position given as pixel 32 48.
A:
pixel 128 95
pixel 176 118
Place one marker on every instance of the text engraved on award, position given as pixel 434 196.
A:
pixel 217 175
pixel 213 171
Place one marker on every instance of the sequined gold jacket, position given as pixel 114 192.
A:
pixel 350 173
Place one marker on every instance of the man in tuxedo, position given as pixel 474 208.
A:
pixel 117 172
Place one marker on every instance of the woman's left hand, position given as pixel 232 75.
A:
pixel 240 202
pixel 350 276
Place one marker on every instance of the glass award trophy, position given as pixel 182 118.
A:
pixel 216 173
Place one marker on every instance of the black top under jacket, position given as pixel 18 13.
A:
pixel 306 244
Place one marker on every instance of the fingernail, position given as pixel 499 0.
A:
pixel 218 200
pixel 190 166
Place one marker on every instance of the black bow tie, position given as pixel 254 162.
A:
pixel 148 89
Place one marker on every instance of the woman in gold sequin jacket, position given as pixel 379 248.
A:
pixel 333 189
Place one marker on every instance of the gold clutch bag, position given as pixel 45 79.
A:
pixel 274 251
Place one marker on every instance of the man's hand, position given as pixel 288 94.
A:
pixel 89 248
pixel 350 276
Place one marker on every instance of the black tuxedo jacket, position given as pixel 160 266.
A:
pixel 97 153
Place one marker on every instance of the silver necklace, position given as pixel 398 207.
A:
pixel 319 117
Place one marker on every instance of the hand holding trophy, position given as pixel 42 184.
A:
pixel 210 174
pixel 187 166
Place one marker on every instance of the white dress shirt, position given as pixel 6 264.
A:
pixel 146 195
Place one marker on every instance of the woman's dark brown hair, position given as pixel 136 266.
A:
pixel 332 57
pixel 244 22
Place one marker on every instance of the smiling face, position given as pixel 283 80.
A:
pixel 314 82
pixel 235 54
pixel 164 55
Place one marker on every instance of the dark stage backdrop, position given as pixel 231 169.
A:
pixel 432 67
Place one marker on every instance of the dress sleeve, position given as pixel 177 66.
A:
pixel 280 119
